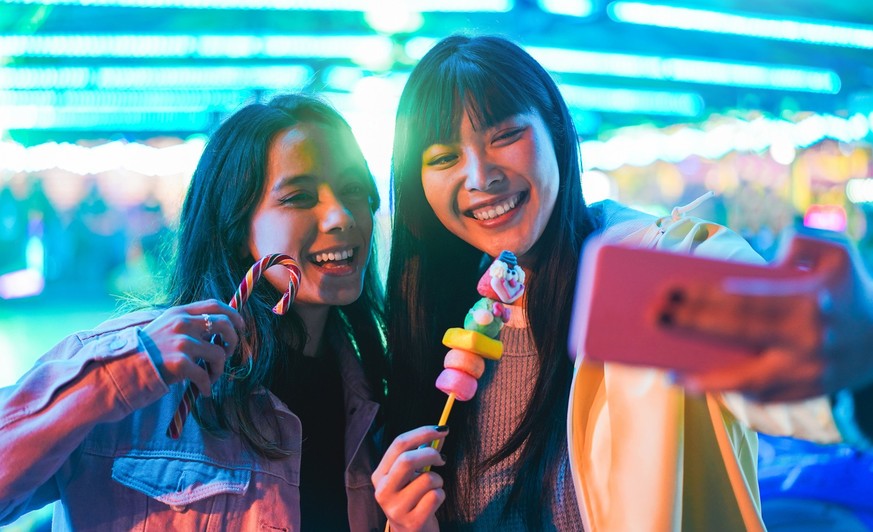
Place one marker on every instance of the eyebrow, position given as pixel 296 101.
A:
pixel 355 172
pixel 292 180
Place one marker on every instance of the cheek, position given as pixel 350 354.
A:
pixel 276 232
pixel 265 236
pixel 279 278
pixel 441 204
pixel 366 224
pixel 549 180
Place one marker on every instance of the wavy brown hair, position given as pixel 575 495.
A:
pixel 225 190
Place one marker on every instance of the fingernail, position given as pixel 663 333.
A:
pixel 442 428
pixel 677 295
pixel 665 318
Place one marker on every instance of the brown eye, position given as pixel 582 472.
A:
pixel 301 199
pixel 441 160
pixel 508 136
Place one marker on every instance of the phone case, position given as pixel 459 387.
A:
pixel 617 296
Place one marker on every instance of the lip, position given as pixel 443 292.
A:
pixel 521 198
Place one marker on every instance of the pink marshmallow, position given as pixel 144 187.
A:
pixel 457 382
pixel 470 363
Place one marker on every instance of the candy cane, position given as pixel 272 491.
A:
pixel 239 299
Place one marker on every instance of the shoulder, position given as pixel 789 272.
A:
pixel 679 232
pixel 609 213
pixel 616 222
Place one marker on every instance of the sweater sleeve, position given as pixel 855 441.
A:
pixel 85 380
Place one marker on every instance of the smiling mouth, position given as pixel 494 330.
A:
pixel 489 212
pixel 333 258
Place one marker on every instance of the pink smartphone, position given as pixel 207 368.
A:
pixel 619 291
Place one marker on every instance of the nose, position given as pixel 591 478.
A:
pixel 335 215
pixel 481 174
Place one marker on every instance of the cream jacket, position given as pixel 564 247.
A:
pixel 644 455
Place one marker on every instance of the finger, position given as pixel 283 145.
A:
pixel 214 306
pixel 428 505
pixel 217 357
pixel 421 485
pixel 775 373
pixel 198 376
pixel 417 499
pixel 409 466
pixel 223 327
pixel 406 442
pixel 742 319
pixel 209 358
pixel 818 251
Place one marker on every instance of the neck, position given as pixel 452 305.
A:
pixel 314 318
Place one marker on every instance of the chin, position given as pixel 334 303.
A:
pixel 343 298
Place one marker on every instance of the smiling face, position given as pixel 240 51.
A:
pixel 495 188
pixel 316 208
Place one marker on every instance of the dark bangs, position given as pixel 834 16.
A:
pixel 471 84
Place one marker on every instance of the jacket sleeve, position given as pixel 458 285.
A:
pixel 83 381
pixel 811 419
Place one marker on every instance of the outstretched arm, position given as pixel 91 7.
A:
pixel 98 378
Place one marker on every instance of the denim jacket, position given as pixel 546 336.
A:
pixel 87 427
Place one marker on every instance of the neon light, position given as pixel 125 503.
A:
pixel 797 30
pixel 573 8
pixel 860 190
pixel 147 160
pixel 45 78
pixel 278 77
pixel 319 5
pixel 190 46
pixel 21 283
pixel 643 145
pixel 733 74
pixel 736 74
pixel 286 77
pixel 120 100
pixel 829 217
pixel 633 101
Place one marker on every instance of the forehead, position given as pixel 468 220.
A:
pixel 307 147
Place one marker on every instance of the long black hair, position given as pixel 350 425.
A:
pixel 432 272
pixel 212 258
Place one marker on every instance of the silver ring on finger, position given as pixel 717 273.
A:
pixel 208 323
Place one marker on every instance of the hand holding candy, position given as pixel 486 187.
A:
pixel 239 298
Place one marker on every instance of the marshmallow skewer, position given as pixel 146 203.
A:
pixel 239 299
pixel 501 285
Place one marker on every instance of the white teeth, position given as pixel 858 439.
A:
pixel 337 255
pixel 488 213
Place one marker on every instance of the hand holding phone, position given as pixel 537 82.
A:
pixel 619 310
